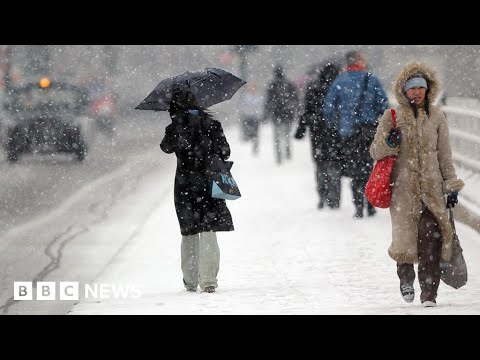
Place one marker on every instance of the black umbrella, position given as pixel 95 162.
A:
pixel 210 86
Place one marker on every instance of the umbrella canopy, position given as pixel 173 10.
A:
pixel 210 86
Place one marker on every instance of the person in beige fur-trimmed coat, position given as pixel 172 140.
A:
pixel 423 174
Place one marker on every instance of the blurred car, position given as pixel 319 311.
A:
pixel 46 117
pixel 103 102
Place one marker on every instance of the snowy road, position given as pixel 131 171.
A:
pixel 47 202
pixel 38 183
pixel 285 256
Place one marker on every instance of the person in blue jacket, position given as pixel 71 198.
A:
pixel 352 107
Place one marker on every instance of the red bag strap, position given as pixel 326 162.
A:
pixel 394 118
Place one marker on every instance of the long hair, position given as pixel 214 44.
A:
pixel 426 105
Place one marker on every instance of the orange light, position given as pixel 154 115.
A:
pixel 44 83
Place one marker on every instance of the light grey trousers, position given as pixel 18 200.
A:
pixel 200 260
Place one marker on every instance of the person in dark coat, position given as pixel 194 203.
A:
pixel 327 170
pixel 281 107
pixel 353 105
pixel 194 136
pixel 251 115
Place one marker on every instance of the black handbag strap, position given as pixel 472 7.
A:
pixel 362 95
pixel 450 213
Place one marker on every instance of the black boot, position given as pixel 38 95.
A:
pixel 320 204
pixel 371 210
pixel 358 212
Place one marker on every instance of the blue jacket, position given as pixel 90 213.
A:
pixel 342 98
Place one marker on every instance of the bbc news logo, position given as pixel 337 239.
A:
pixel 70 290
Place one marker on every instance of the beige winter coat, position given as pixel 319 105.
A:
pixel 423 169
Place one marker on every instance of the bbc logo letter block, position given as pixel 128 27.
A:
pixel 47 290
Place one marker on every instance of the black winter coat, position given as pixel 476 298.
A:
pixel 193 137
pixel 325 142
pixel 281 101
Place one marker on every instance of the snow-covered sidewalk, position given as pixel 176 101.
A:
pixel 284 257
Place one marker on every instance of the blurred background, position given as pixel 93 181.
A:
pixel 132 71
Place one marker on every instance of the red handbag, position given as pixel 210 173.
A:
pixel 378 189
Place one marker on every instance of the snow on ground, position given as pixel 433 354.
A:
pixel 284 257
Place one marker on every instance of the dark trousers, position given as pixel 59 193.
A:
pixel 328 176
pixel 357 164
pixel 250 127
pixel 281 141
pixel 429 248
pixel 360 173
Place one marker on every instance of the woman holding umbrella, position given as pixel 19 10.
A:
pixel 194 136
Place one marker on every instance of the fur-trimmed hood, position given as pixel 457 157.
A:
pixel 411 69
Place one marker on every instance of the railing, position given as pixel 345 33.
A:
pixel 463 116
pixel 464 125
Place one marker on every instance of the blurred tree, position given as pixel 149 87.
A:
pixel 242 51
pixel 111 53
pixel 38 59
pixel 462 74
pixel 7 51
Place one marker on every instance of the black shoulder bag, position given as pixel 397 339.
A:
pixel 366 132
pixel 454 272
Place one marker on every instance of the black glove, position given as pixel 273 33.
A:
pixel 394 137
pixel 300 133
pixel 452 199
